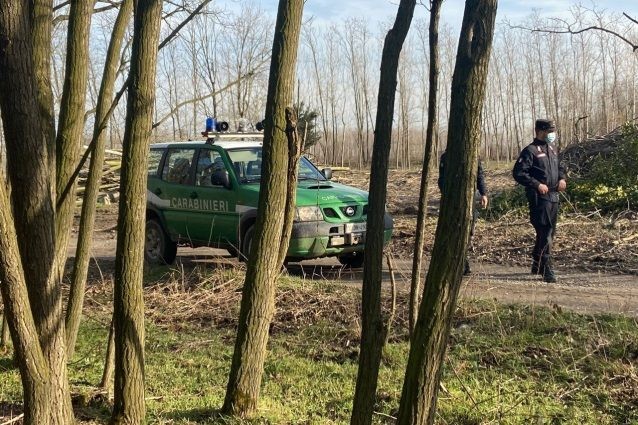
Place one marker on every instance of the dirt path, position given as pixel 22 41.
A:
pixel 584 292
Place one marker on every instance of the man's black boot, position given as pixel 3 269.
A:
pixel 548 272
pixel 536 265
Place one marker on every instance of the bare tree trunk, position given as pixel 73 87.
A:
pixel 257 305
pixel 373 327
pixel 4 334
pixel 109 361
pixel 24 92
pixel 41 17
pixel 429 339
pixel 87 220
pixel 71 121
pixel 294 152
pixel 129 406
pixel 419 241
pixel 34 370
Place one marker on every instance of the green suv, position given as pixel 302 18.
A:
pixel 206 194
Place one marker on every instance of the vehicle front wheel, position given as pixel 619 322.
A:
pixel 159 249
pixel 353 260
pixel 247 243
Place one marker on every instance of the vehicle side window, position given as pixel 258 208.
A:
pixel 177 167
pixel 154 158
pixel 208 163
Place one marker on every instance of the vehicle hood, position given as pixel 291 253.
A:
pixel 312 192
pixel 328 192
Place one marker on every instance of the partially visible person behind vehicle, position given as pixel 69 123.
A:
pixel 482 189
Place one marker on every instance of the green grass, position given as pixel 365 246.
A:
pixel 506 364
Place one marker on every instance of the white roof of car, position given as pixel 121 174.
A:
pixel 224 140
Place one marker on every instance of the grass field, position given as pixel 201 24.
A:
pixel 505 364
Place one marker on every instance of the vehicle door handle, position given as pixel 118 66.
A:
pixel 158 191
pixel 194 195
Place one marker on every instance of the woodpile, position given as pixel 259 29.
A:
pixel 578 157
pixel 110 184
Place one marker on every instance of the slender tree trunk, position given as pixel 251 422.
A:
pixel 34 370
pixel 41 17
pixel 129 406
pixel 257 305
pixel 4 334
pixel 87 219
pixel 71 121
pixel 419 241
pixel 294 152
pixel 109 361
pixel 373 327
pixel 429 340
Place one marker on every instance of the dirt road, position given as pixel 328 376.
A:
pixel 584 292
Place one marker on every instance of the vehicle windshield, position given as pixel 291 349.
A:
pixel 247 165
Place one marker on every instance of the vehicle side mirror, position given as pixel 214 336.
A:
pixel 220 178
pixel 327 173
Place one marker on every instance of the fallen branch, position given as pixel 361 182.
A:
pixel 16 419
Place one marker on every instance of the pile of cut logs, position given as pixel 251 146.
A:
pixel 110 184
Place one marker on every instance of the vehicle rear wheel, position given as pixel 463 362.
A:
pixel 246 243
pixel 159 249
pixel 353 260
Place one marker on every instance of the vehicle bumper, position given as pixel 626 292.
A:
pixel 322 239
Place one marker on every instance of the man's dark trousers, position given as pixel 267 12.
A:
pixel 543 216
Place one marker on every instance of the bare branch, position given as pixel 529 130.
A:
pixel 65 17
pixel 183 24
pixel 630 18
pixel 568 30
pixel 61 5
pixel 223 89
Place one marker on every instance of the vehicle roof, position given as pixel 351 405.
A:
pixel 224 144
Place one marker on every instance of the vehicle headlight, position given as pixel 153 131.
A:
pixel 308 214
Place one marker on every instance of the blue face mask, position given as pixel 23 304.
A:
pixel 550 137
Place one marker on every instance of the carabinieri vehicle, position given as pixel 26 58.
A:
pixel 206 193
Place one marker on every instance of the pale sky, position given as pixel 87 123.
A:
pixel 327 11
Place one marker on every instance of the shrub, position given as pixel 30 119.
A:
pixel 511 200
pixel 610 182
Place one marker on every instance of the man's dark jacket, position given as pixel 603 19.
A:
pixel 538 163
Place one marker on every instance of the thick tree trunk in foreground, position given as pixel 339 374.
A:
pixel 27 118
pixel 419 240
pixel 129 406
pixel 257 305
pixel 373 325
pixel 87 219
pixel 429 340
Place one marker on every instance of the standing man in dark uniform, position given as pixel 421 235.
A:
pixel 539 170
pixel 481 187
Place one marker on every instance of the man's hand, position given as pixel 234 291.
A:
pixel 484 201
pixel 562 185
pixel 543 189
